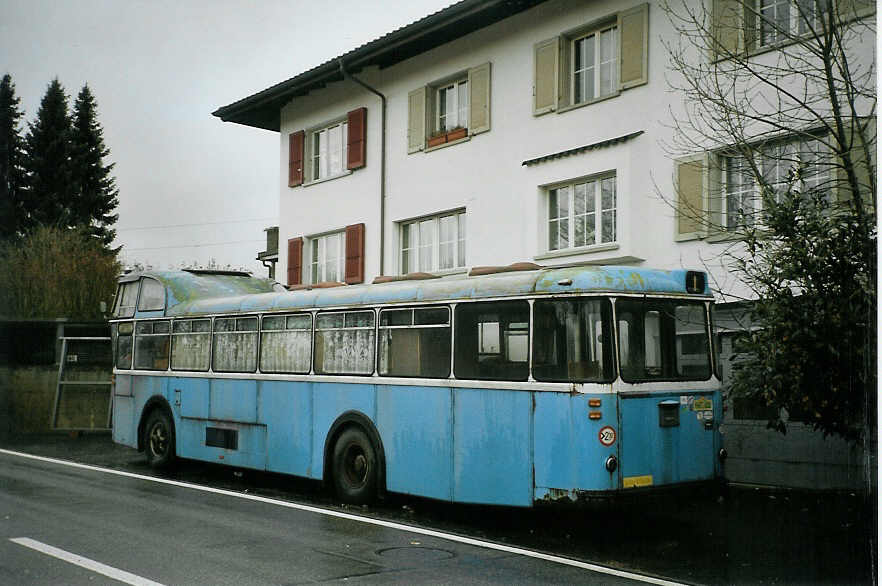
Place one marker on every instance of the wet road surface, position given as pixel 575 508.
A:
pixel 747 537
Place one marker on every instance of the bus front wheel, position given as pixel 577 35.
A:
pixel 355 467
pixel 159 444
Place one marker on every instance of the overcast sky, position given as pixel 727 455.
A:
pixel 192 188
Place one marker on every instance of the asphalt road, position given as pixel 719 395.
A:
pixel 749 536
pixel 67 525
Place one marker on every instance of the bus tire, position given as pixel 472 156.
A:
pixel 159 440
pixel 355 467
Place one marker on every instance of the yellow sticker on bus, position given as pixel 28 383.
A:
pixel 637 481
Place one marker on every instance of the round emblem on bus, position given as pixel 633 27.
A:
pixel 607 436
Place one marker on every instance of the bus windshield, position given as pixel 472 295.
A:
pixel 663 339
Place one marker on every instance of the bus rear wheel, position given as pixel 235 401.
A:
pixel 159 440
pixel 355 467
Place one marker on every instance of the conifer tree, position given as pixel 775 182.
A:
pixel 50 189
pixel 11 159
pixel 96 192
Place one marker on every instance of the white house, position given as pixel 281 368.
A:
pixel 498 131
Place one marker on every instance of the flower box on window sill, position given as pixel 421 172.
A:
pixel 456 134
pixel 437 140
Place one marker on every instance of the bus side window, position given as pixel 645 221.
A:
pixel 151 345
pixel 492 340
pixel 415 342
pixel 286 343
pixel 191 344
pixel 344 343
pixel 235 344
pixel 121 335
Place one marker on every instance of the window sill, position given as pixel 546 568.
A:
pixel 580 250
pixel 428 148
pixel 323 179
pixel 563 109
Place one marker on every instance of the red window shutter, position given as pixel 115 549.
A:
pixel 355 254
pixel 295 261
pixel 295 158
pixel 356 122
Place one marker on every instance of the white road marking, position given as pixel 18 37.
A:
pixel 368 520
pixel 84 562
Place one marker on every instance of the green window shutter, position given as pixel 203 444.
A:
pixel 416 120
pixel 852 9
pixel 864 170
pixel 715 197
pixel 633 28
pixel 691 184
pixel 545 76
pixel 732 28
pixel 479 99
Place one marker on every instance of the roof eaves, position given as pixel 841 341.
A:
pixel 262 109
pixel 582 149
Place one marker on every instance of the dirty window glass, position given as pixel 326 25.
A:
pixel 492 340
pixel 152 295
pixel 151 345
pixel 286 344
pixel 415 342
pixel 572 340
pixel 235 344
pixel 121 336
pixel 126 294
pixel 191 344
pixel 344 343
pixel 663 340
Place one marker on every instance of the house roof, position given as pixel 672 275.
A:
pixel 262 110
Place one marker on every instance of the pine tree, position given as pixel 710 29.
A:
pixel 11 159
pixel 96 192
pixel 50 190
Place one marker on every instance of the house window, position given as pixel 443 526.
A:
pixel 780 20
pixel 327 151
pixel 327 257
pixel 449 110
pixel 582 214
pixel 452 106
pixel 797 166
pixel 436 243
pixel 595 65
pixel 591 62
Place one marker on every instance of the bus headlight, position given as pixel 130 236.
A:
pixel 612 463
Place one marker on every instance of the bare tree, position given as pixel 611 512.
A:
pixel 776 155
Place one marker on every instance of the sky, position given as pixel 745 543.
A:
pixel 193 190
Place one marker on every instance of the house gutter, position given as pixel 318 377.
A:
pixel 346 75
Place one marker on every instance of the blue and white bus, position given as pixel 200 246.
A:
pixel 509 385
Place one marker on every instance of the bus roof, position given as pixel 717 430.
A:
pixel 200 294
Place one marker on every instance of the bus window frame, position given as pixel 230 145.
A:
pixel 285 316
pixel 209 333
pixel 315 332
pixel 214 332
pixel 413 309
pixel 676 300
pixel 152 334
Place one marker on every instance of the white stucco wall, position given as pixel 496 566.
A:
pixel 504 200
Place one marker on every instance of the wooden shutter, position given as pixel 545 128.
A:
pixel 354 254
pixel 851 9
pixel 690 185
pixel 295 158
pixel 295 261
pixel 416 120
pixel 545 75
pixel 479 99
pixel 732 28
pixel 356 128
pixel 864 170
pixel 633 28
